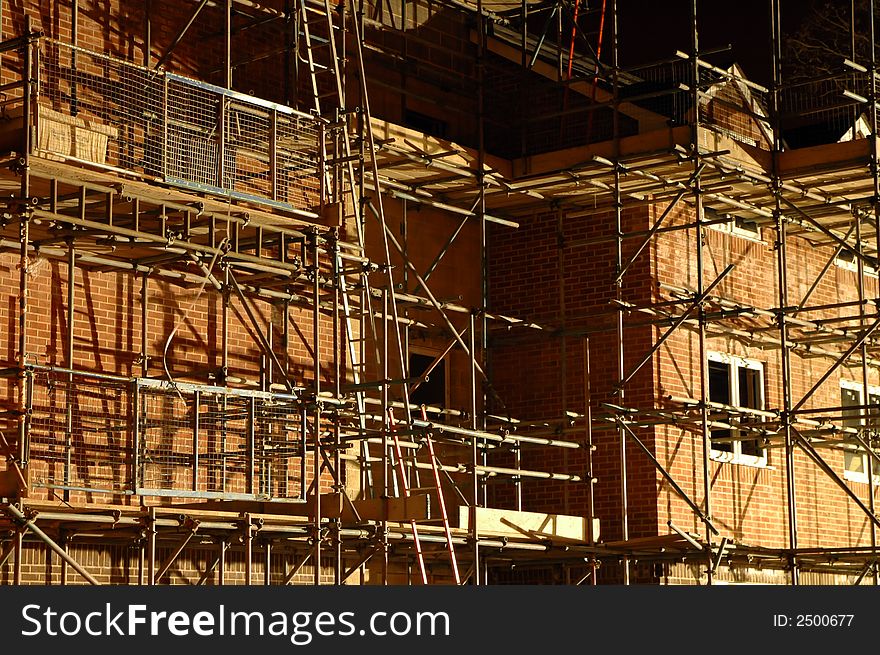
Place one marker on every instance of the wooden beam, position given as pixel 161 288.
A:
pixel 414 508
pixel 535 525
pixel 332 506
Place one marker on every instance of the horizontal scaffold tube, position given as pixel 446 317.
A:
pixel 484 470
pixel 479 434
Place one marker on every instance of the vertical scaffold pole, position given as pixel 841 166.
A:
pixel 339 485
pixel 386 427
pixel 618 287
pixel 698 238
pixel 151 546
pixel 148 31
pixel 316 345
pixel 63 541
pixel 875 211
pixel 866 396
pixel 145 282
pixel 68 432
pixel 24 236
pixel 19 552
pixel 484 244
pixel 228 41
pixel 248 550
pixel 475 487
pixel 781 271
pixel 591 480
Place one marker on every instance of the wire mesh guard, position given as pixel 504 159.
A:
pixel 835 102
pixel 79 435
pixel 728 103
pixel 147 437
pixel 98 109
pixel 658 88
pixel 218 443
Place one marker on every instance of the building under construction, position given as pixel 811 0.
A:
pixel 430 292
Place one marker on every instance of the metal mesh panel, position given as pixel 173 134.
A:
pixel 80 433
pixel 106 111
pixel 821 102
pixel 297 149
pixel 278 429
pixel 218 444
pixel 248 139
pixel 99 109
pixel 192 440
pixel 165 443
pixel 193 140
pixel 268 152
pixel 656 88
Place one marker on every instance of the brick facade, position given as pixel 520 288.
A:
pixel 556 270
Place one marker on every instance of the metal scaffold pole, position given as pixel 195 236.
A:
pixel 291 387
pixel 875 215
pixel 588 441
pixel 866 396
pixel 23 211
pixel 478 401
pixel 618 286
pixel 699 237
pixel 782 290
pixel 475 478
pixel 317 425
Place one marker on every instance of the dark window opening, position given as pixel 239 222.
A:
pixel 426 124
pixel 719 392
pixel 749 396
pixel 873 413
pixel 851 398
pixel 747 226
pixel 849 257
pixel 854 460
pixel 737 386
pixel 433 390
pixel 730 223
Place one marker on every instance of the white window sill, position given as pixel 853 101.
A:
pixel 738 458
pixel 855 476
pixel 746 235
pixel 853 267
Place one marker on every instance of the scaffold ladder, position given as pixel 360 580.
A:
pixel 406 490
pixel 441 501
pixel 321 54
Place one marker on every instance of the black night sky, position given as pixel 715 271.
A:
pixel 654 29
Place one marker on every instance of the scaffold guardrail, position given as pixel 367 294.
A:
pixel 95 109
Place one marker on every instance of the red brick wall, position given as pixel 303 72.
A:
pixel 117 27
pixel 118 565
pixel 723 110
pixel 750 503
pixel 537 383
pixel 107 325
pixel 107 339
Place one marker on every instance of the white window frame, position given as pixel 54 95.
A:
pixel 849 474
pixel 730 226
pixel 735 455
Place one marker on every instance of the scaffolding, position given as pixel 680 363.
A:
pixel 309 469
